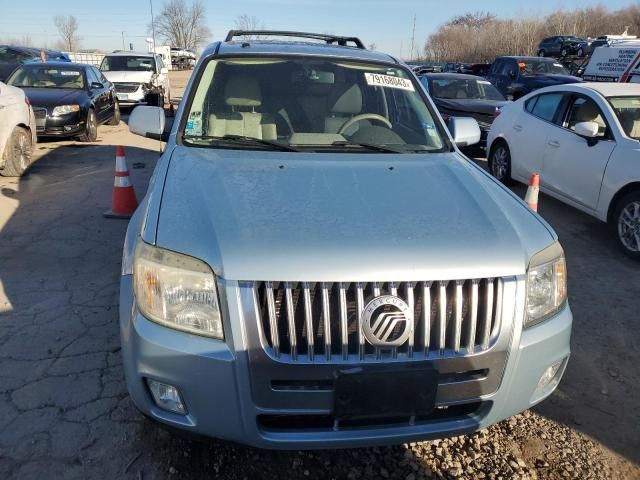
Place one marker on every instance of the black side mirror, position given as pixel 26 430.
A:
pixel 96 85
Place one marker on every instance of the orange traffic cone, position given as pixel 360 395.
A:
pixel 123 199
pixel 532 192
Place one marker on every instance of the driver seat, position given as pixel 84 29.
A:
pixel 344 103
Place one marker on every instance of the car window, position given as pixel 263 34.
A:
pixel 464 89
pixel 309 103
pixel 507 67
pixel 583 109
pixel 91 76
pixel 546 106
pixel 9 56
pixel 627 110
pixel 46 76
pixel 541 67
pixel 119 63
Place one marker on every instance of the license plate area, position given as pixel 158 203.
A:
pixel 372 393
pixel 122 96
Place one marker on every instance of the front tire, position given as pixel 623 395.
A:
pixel 91 128
pixel 115 120
pixel 500 162
pixel 625 224
pixel 18 153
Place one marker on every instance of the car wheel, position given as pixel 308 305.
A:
pixel 580 52
pixel 500 162
pixel 541 53
pixel 91 128
pixel 115 120
pixel 626 224
pixel 18 153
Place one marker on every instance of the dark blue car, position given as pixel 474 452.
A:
pixel 11 57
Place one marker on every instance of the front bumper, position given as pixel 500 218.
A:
pixel 61 126
pixel 214 379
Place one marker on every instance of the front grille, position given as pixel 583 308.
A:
pixel 41 117
pixel 322 322
pixel 126 87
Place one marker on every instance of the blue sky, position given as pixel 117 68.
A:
pixel 386 23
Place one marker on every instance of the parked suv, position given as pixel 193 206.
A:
pixel 517 76
pixel 561 46
pixel 316 264
pixel 138 77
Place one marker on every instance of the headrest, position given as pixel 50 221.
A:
pixel 346 100
pixel 242 91
pixel 588 111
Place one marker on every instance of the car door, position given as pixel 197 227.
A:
pixel 97 95
pixel 529 131
pixel 573 168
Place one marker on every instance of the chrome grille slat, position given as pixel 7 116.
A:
pixel 473 320
pixel 327 321
pixel 344 329
pixel 308 320
pixel 271 307
pixel 322 321
pixel 291 321
pixel 457 332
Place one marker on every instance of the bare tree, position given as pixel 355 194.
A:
pixel 68 29
pixel 182 26
pixel 248 22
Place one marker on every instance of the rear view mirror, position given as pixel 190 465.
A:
pixel 147 122
pixel 96 85
pixel 464 130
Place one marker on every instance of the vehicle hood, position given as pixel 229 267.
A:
pixel 255 215
pixel 51 97
pixel 484 107
pixel 129 76
pixel 547 80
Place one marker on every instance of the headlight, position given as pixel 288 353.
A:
pixel 546 285
pixel 176 290
pixel 64 109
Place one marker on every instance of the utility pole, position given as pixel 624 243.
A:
pixel 413 36
pixel 123 41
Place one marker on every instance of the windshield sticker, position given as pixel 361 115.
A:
pixel 194 124
pixel 378 80
pixel 428 126
pixel 68 72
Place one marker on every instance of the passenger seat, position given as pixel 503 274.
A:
pixel 242 94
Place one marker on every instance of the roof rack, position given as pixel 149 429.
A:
pixel 329 39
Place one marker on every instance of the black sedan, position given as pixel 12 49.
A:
pixel 68 99
pixel 459 95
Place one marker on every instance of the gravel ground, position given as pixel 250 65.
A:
pixel 65 412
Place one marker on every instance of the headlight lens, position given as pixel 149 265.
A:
pixel 546 285
pixel 176 290
pixel 64 109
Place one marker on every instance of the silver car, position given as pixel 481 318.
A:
pixel 316 265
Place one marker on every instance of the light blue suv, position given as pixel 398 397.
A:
pixel 316 265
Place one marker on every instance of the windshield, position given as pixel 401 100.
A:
pixel 541 67
pixel 310 104
pixel 132 63
pixel 628 111
pixel 464 89
pixel 47 77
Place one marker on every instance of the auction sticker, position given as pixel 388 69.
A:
pixel 378 80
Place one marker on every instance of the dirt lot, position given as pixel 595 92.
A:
pixel 64 409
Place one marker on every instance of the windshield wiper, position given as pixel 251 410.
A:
pixel 369 146
pixel 245 139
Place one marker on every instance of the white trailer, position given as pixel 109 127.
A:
pixel 619 62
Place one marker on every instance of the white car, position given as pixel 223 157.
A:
pixel 17 131
pixel 584 140
pixel 136 76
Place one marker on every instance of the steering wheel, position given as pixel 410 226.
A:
pixel 363 116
